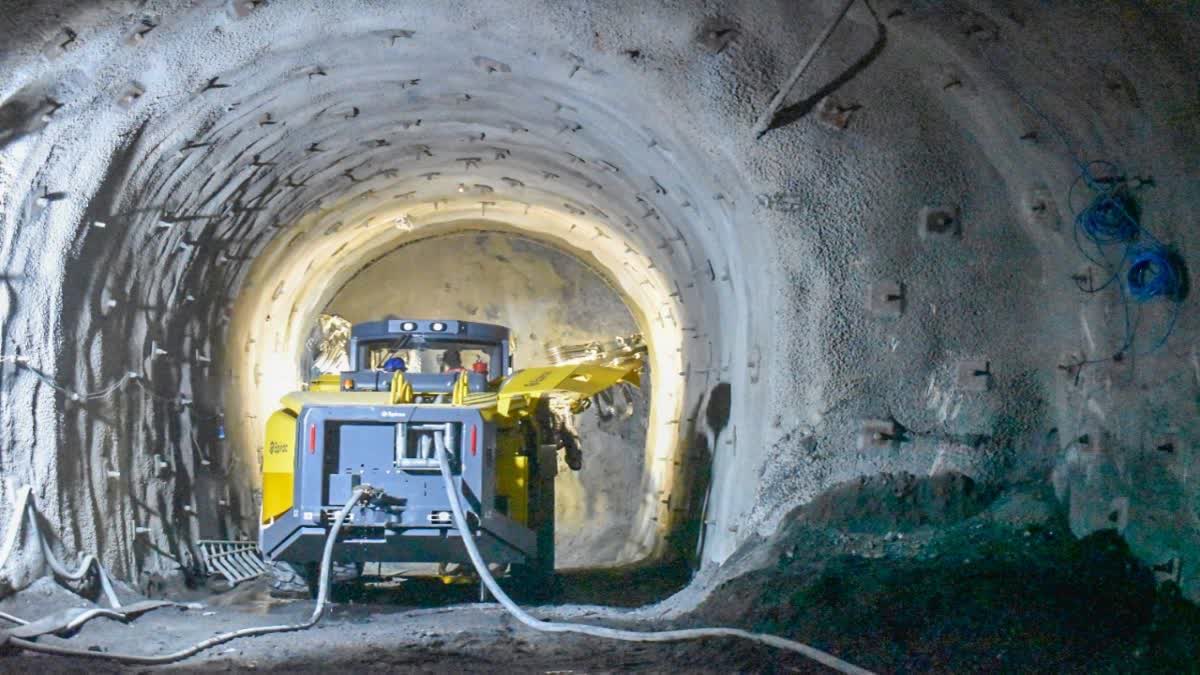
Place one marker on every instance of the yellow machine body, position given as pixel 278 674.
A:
pixel 522 390
pixel 512 473
pixel 279 464
pixel 326 382
pixel 512 401
pixel 356 412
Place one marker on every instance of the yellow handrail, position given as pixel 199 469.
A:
pixel 461 389
pixel 402 390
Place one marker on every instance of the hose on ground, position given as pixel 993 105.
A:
pixel 322 595
pixel 460 522
pixel 480 567
pixel 25 507
pixel 14 619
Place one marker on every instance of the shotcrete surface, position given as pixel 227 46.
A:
pixel 185 185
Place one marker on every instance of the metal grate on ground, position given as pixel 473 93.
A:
pixel 237 561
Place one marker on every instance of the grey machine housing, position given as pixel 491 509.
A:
pixel 390 447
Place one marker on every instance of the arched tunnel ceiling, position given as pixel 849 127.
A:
pixel 278 176
pixel 185 184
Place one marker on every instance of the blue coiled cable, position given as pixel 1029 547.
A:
pixel 1152 274
pixel 1146 270
pixel 1109 218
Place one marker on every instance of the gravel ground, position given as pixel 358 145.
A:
pixel 893 573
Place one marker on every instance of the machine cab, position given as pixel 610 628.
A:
pixel 431 353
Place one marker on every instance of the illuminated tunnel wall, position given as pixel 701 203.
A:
pixel 547 298
pixel 184 186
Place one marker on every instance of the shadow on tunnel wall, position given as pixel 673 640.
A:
pixel 801 108
pixel 686 542
pixel 654 579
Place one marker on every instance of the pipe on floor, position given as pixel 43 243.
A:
pixel 460 522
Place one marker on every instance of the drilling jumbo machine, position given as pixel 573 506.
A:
pixel 407 395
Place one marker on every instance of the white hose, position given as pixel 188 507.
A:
pixel 524 617
pixel 15 619
pixel 322 595
pixel 25 506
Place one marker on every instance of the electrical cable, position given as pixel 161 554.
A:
pixel 104 392
pixel 322 597
pixel 25 507
pixel 460 522
pixel 175 400
pixel 1152 273
pixel 323 593
pixel 155 395
pixel 1108 218
pixel 14 619
pixel 1147 269
pixel 75 395
pixel 77 621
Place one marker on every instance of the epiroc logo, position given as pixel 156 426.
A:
pixel 538 380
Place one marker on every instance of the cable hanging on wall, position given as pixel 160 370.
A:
pixel 1131 258
pixel 107 391
pixel 77 396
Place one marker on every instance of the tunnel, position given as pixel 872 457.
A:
pixel 920 360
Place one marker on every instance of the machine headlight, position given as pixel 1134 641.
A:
pixel 437 326
pixel 408 326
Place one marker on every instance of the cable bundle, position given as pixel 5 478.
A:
pixel 1150 269
pixel 1110 218
pixel 1154 272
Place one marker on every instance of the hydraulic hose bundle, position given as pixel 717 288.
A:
pixel 25 508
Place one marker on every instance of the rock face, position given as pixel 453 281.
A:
pixel 970 589
pixel 888 281
pixel 896 503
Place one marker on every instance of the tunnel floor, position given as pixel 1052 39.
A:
pixel 893 573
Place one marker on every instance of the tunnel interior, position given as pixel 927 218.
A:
pixel 548 298
pixel 945 287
